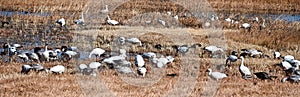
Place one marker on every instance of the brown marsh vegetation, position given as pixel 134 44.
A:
pixel 278 35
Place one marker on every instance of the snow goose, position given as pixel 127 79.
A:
pixel 122 40
pixel 254 52
pixel 37 67
pixel 47 53
pixel 97 52
pixel 162 22
pixel 105 10
pixel 289 58
pixel 94 65
pixel 61 22
pixel 292 71
pixel 23 56
pixel 176 17
pixel 246 26
pixel 261 26
pixel 17 45
pixel 291 68
pixel 139 61
pixel 169 12
pixel 82 66
pixel 292 78
pixel 295 64
pixel 80 21
pixel 231 58
pixel 58 69
pixel 161 62
pixel 35 55
pixel 88 71
pixel 277 55
pixel 111 22
pixel 170 59
pixel 182 49
pixel 245 71
pixel 214 17
pixel 216 75
pixel 255 19
pixel 67 54
pixel 112 61
pixel 26 69
pixel 134 41
pixel 149 55
pixel 124 69
pixel 286 65
pixel 123 53
pixel 142 71
pixel 228 20
pixel 212 50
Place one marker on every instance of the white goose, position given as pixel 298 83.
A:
pixel 97 52
pixel 61 21
pixel 111 22
pixel 105 10
pixel 277 55
pixel 80 21
pixel 228 20
pixel 57 69
pixel 94 65
pixel 246 25
pixel 82 67
pixel 176 17
pixel 289 58
pixel 142 70
pixel 149 55
pixel 162 22
pixel 139 61
pixel 47 53
pixel 134 41
pixel 286 65
pixel 26 69
pixel 245 71
pixel 121 40
pixel 37 67
pixel 216 75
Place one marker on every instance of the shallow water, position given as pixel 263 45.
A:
pixel 11 13
pixel 286 17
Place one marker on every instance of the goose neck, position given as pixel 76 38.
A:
pixel 82 16
pixel 46 48
pixel 242 61
pixel 209 72
pixel 108 17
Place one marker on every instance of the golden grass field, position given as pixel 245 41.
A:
pixel 278 35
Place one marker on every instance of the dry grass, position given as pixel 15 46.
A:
pixel 256 6
pixel 278 35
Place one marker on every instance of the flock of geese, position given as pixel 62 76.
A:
pixel 289 65
pixel 245 25
pixel 121 60
pixel 62 21
pixel 121 63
